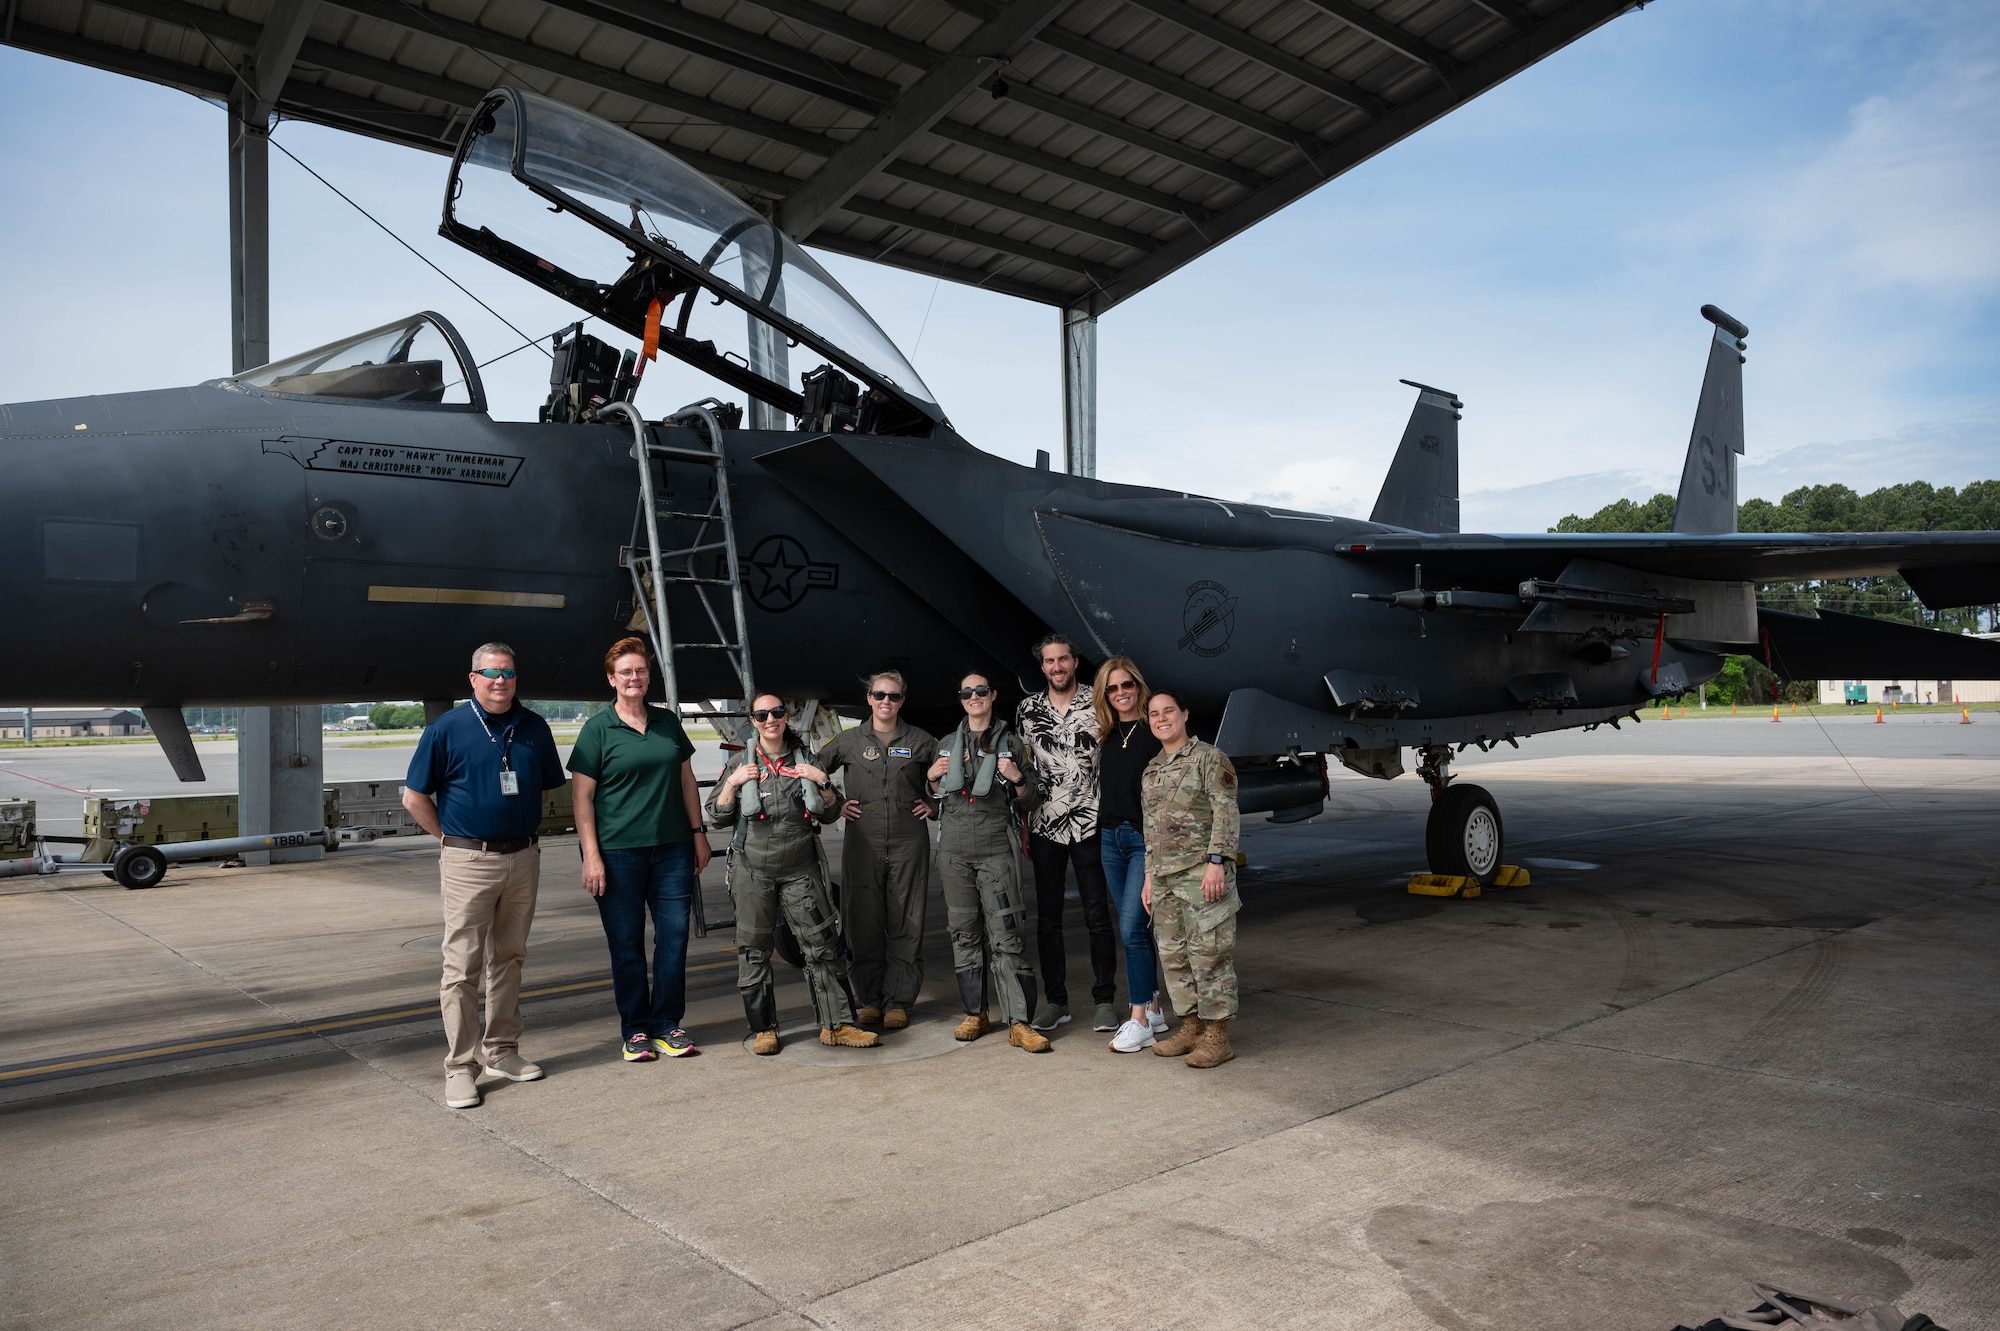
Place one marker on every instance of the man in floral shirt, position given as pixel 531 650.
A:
pixel 1060 729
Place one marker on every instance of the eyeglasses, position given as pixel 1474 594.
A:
pixel 641 673
pixel 883 695
pixel 975 691
pixel 1126 687
pixel 769 714
pixel 496 672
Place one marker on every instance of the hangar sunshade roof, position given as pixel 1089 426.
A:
pixel 1066 151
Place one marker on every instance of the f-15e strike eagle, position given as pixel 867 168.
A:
pixel 345 523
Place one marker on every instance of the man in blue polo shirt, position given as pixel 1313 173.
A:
pixel 476 783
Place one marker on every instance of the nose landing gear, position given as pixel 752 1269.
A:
pixel 1464 837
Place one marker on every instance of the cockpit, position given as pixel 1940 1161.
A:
pixel 418 359
pixel 628 233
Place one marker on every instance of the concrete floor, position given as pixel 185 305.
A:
pixel 1742 1025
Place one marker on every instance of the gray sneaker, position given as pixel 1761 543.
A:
pixel 1105 1018
pixel 1049 1016
pixel 514 1068
pixel 461 1088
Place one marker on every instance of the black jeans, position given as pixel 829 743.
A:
pixel 1051 860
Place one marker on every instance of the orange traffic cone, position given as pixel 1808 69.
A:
pixel 1684 711
pixel 1774 712
pixel 1732 709
pixel 1878 716
pixel 1795 709
pixel 1965 716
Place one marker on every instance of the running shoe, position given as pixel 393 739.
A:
pixel 1132 1037
pixel 1050 1016
pixel 1156 1018
pixel 675 1043
pixel 639 1049
pixel 1105 1018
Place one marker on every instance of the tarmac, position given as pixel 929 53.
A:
pixel 1741 1025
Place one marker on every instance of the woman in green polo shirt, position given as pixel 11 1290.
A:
pixel 638 814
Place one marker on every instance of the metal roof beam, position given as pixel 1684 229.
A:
pixel 897 257
pixel 1233 38
pixel 1499 63
pixel 943 229
pixel 920 106
pixel 836 24
pixel 1148 76
pixel 583 71
pixel 1068 170
pixel 726 44
pixel 1111 126
pixel 1513 12
pixel 270 62
pixel 1405 44
pixel 1014 203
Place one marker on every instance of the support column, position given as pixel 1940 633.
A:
pixel 1079 369
pixel 280 778
pixel 279 767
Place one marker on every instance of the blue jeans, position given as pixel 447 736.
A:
pixel 1124 851
pixel 659 879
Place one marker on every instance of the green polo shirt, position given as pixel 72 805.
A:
pixel 639 800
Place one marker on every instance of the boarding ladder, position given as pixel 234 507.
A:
pixel 654 568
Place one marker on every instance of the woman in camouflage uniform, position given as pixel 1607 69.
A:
pixel 983 781
pixel 1192 826
pixel 777 800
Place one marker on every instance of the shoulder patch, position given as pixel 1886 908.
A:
pixel 1228 770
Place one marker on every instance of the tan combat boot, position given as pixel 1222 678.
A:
pixel 868 1016
pixel 767 1043
pixel 1026 1037
pixel 895 1019
pixel 1182 1041
pixel 1212 1049
pixel 850 1037
pixel 974 1026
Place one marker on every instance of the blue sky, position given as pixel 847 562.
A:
pixel 1826 170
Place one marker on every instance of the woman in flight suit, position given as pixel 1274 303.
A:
pixel 983 780
pixel 777 800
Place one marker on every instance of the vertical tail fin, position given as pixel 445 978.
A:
pixel 1421 490
pixel 1707 501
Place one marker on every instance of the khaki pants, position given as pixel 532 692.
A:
pixel 489 904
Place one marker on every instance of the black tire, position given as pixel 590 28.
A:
pixel 1464 837
pixel 139 867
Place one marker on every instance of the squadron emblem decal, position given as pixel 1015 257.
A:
pixel 1207 619
pixel 780 573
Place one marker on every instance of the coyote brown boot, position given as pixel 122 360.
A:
pixel 1024 1036
pixel 974 1026
pixel 1182 1041
pixel 895 1019
pixel 852 1037
pixel 1212 1049
pixel 868 1016
pixel 767 1043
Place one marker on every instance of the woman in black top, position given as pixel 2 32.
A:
pixel 1126 745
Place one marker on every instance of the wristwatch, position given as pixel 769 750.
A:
pixel 1218 859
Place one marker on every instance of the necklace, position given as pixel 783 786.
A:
pixel 1131 729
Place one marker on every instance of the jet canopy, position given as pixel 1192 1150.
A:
pixel 626 231
pixel 417 359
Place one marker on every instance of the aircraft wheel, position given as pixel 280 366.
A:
pixel 1464 837
pixel 139 866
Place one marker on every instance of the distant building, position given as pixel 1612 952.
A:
pixel 70 722
pixel 1910 690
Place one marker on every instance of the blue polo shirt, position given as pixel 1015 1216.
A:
pixel 458 762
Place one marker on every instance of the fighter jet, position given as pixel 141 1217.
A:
pixel 345 523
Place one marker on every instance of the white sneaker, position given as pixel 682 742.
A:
pixel 1132 1037
pixel 1156 1019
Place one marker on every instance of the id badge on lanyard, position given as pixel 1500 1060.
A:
pixel 510 782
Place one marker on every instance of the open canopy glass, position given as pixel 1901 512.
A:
pixel 616 224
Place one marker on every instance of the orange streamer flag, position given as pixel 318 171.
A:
pixel 651 350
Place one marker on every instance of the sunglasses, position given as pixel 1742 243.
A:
pixel 496 672
pixel 975 691
pixel 1127 687
pixel 883 695
pixel 769 714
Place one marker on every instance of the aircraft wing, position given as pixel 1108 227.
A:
pixel 1945 568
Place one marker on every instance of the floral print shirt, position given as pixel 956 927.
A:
pixel 1065 747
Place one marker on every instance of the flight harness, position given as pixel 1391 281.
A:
pixel 750 799
pixel 989 763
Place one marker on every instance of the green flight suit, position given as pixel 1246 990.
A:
pixel 885 859
pixel 1189 801
pixel 777 867
pixel 979 863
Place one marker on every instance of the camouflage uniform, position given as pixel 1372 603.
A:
pixel 979 861
pixel 885 859
pixel 1190 807
pixel 776 866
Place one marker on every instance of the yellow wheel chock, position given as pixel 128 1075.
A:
pixel 1451 885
